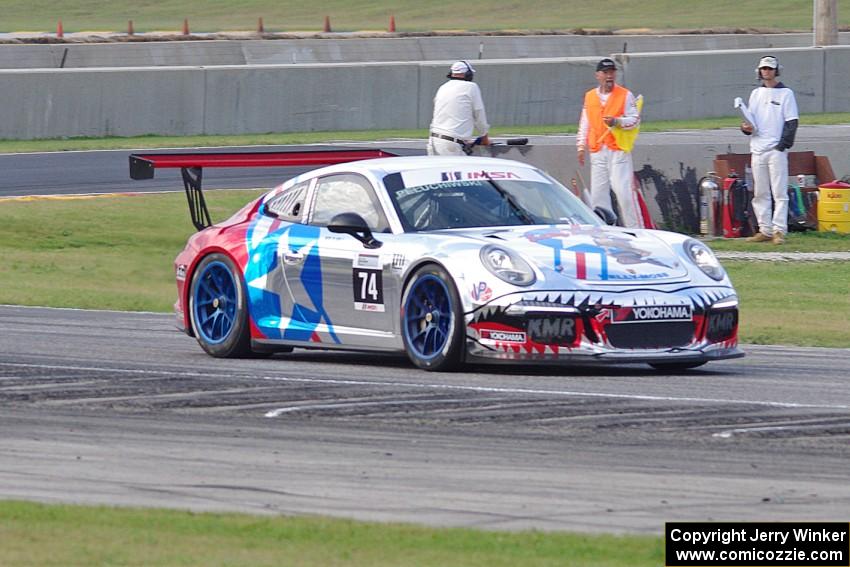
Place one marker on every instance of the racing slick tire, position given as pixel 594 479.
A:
pixel 677 366
pixel 218 309
pixel 432 320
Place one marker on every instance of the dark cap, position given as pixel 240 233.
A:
pixel 606 64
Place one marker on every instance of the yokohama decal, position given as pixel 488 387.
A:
pixel 650 313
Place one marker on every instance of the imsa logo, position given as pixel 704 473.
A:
pixel 653 313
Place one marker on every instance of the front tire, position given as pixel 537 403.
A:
pixel 432 320
pixel 218 308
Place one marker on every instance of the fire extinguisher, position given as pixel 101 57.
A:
pixel 733 206
pixel 709 205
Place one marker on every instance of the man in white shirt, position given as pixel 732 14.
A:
pixel 774 111
pixel 458 113
pixel 605 107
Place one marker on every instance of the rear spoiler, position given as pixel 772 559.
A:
pixel 142 166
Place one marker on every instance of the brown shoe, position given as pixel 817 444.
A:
pixel 778 238
pixel 760 237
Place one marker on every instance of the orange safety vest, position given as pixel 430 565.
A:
pixel 615 106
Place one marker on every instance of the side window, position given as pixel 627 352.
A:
pixel 289 205
pixel 347 193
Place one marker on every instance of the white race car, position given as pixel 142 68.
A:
pixel 451 260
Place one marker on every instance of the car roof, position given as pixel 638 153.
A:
pixel 385 166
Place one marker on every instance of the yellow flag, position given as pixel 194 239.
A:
pixel 626 138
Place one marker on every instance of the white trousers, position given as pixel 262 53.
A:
pixel 612 169
pixel 770 179
pixel 440 147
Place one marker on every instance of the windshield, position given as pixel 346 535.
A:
pixel 487 202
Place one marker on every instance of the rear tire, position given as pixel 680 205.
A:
pixel 677 366
pixel 432 320
pixel 218 309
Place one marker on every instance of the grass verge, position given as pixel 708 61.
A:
pixel 117 253
pixel 410 15
pixel 797 303
pixel 62 535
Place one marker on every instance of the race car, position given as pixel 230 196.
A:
pixel 450 260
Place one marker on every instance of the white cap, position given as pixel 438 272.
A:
pixel 768 61
pixel 461 67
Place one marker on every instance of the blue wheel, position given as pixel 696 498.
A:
pixel 432 321
pixel 217 307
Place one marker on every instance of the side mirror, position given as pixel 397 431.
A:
pixel 607 215
pixel 353 224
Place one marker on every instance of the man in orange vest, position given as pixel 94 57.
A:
pixel 605 107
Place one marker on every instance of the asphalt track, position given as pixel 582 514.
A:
pixel 108 171
pixel 121 409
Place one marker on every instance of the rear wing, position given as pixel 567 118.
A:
pixel 143 166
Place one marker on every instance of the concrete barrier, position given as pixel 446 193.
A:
pixel 49 103
pixel 303 98
pixel 360 49
pixel 103 102
pixel 836 88
pixel 687 85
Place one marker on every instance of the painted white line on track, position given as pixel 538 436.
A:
pixel 729 433
pixel 451 387
pixel 36 307
pixel 308 407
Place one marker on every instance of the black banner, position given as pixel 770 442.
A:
pixel 762 544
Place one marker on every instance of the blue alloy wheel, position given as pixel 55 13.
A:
pixel 431 320
pixel 427 315
pixel 218 309
pixel 215 302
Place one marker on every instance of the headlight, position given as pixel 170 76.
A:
pixel 507 265
pixel 704 258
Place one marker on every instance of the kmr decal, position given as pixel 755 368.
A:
pixel 721 325
pixel 652 313
pixel 552 330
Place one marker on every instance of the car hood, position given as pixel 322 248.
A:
pixel 590 253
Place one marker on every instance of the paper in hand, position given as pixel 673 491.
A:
pixel 745 113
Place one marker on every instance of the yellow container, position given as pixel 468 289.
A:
pixel 834 226
pixel 834 207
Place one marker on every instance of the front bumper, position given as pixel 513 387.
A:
pixel 681 326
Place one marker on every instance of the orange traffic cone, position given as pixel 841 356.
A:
pixel 185 26
pixel 260 28
pixel 392 24
pixel 59 31
pixel 327 28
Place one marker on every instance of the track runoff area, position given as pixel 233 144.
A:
pixel 741 544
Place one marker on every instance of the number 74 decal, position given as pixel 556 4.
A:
pixel 368 283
